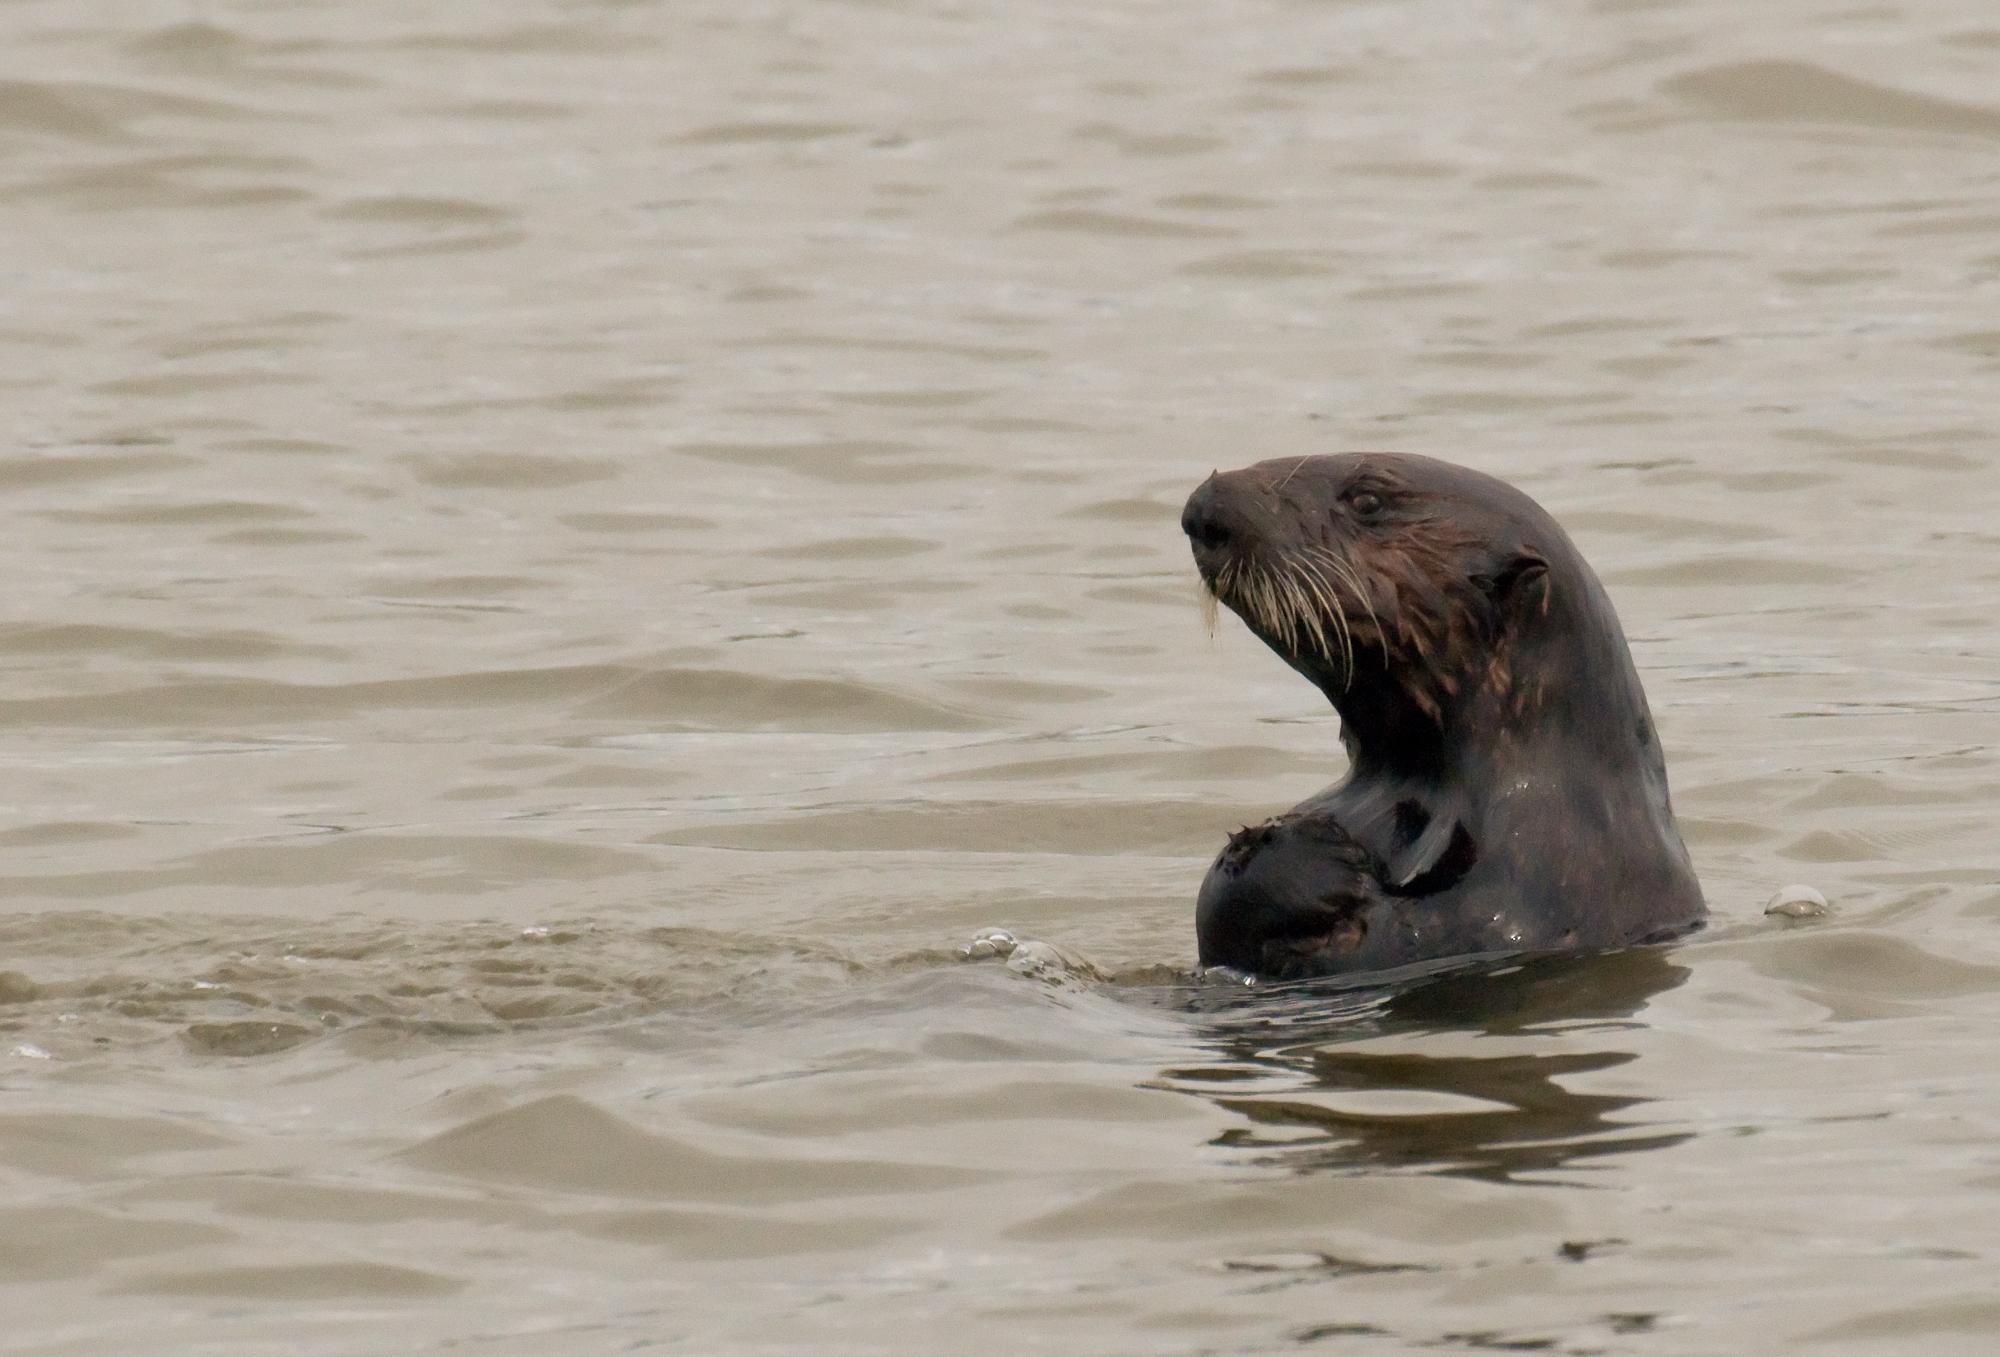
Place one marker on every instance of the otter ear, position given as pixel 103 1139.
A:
pixel 1519 579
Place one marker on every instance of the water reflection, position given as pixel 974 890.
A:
pixel 1288 1064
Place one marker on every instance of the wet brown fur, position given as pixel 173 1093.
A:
pixel 1503 765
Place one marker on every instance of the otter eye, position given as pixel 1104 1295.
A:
pixel 1366 503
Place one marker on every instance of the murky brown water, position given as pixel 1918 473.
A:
pixel 561 556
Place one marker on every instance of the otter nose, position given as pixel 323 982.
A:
pixel 1204 521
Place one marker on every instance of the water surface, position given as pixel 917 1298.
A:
pixel 561 558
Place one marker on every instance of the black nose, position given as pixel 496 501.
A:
pixel 1202 519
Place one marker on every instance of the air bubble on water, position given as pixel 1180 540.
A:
pixel 988 943
pixel 1798 902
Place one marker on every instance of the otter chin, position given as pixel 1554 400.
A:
pixel 1505 789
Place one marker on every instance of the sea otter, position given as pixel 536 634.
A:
pixel 1505 789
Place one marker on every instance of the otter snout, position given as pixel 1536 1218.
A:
pixel 1214 525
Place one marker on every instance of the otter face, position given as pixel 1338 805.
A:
pixel 1371 568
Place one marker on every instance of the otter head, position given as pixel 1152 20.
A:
pixel 1422 598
